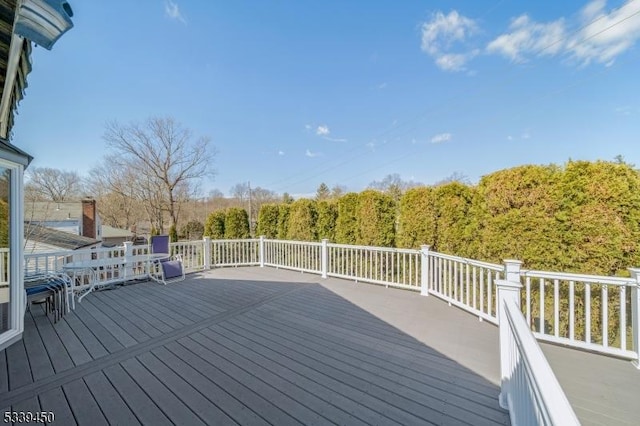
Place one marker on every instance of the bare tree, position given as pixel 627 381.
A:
pixel 240 191
pixel 167 160
pixel 51 184
pixel 119 202
pixel 393 184
pixel 454 177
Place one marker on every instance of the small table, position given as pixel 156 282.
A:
pixel 95 274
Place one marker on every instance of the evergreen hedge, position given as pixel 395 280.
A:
pixel 302 220
pixel 214 225
pixel 268 220
pixel 236 224
pixel 376 217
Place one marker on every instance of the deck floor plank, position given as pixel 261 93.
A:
pixel 239 390
pixel 83 405
pixel 56 349
pixel 18 368
pixel 134 327
pixel 152 318
pixel 122 335
pixel 109 400
pixel 145 410
pixel 4 373
pixel 39 361
pixel 254 365
pixel 86 336
pixel 354 351
pixel 55 401
pixel 174 409
pixel 211 389
pixel 74 345
pixel 447 392
pixel 190 396
pixel 22 408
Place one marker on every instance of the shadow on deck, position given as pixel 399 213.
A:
pixel 255 346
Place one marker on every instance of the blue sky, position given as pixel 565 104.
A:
pixel 296 93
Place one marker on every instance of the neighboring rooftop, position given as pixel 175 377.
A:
pixel 111 232
pixel 52 211
pixel 57 238
pixel 22 68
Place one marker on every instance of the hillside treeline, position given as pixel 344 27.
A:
pixel 580 217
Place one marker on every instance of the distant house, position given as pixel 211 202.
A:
pixel 74 217
pixel 114 236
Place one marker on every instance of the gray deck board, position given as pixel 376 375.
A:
pixel 173 408
pixel 83 404
pixel 39 361
pixel 190 396
pixel 145 410
pixel 240 391
pixel 109 400
pixel 4 375
pixel 258 346
pixel 460 396
pixel 55 401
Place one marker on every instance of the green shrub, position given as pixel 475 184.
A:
pixel 417 220
pixel 327 216
pixel 283 220
pixel 347 222
pixel 268 220
pixel 376 217
pixel 302 220
pixel 236 224
pixel 214 225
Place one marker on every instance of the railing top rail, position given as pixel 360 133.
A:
pixel 583 278
pixel 387 249
pixel 237 240
pixel 555 405
pixel 472 262
pixel 301 243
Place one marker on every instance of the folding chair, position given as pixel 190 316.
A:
pixel 167 269
pixel 50 288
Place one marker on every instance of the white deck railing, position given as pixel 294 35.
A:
pixel 529 390
pixel 234 252
pixel 586 311
pixel 466 283
pixel 295 255
pixel 390 267
pixel 191 253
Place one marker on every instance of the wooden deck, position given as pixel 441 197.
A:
pixel 264 346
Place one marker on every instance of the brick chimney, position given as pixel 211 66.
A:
pixel 89 218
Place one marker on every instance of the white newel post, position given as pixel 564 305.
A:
pixel 424 270
pixel 635 314
pixel 128 253
pixel 509 288
pixel 207 253
pixel 324 257
pixel 261 254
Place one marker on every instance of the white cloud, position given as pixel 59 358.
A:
pixel 509 138
pixel 441 33
pixel 527 37
pixel 322 130
pixel 172 10
pixel 525 135
pixel 307 126
pixel 382 86
pixel 334 139
pixel 312 154
pixel 601 37
pixel 441 137
pixel 281 153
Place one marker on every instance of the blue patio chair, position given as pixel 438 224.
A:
pixel 166 269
